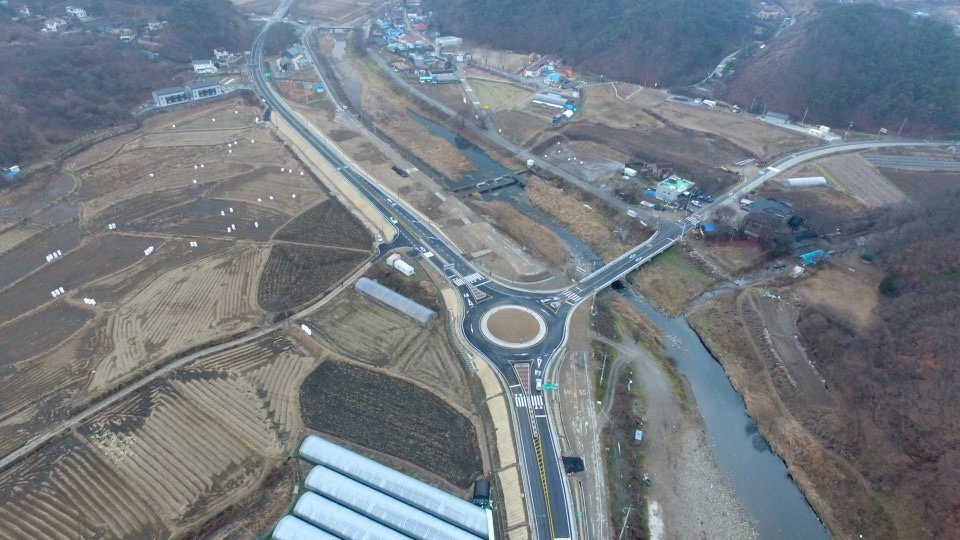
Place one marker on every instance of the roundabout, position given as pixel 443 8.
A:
pixel 513 327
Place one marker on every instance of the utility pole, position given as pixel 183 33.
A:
pixel 625 518
pixel 901 127
pixel 604 368
pixel 802 120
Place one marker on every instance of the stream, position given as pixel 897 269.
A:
pixel 770 498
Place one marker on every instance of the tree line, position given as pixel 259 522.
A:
pixel 644 41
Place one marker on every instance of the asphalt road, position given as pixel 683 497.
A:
pixel 544 480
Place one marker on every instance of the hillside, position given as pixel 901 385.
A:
pixel 899 377
pixel 196 27
pixel 863 63
pixel 652 41
pixel 59 86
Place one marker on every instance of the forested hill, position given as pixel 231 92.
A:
pixel 196 27
pixel 863 63
pixel 657 41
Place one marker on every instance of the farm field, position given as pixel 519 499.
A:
pixel 158 463
pixel 163 461
pixel 329 224
pixel 346 402
pixel 296 273
pixel 402 346
pixel 498 95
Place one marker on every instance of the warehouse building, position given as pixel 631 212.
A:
pixel 392 299
pixel 201 89
pixel 204 88
pixel 415 497
pixel 671 188
pixel 170 96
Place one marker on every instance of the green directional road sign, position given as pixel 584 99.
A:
pixel 550 387
pixel 266 73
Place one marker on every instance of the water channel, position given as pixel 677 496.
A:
pixel 759 477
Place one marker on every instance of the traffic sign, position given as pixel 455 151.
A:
pixel 266 73
pixel 550 386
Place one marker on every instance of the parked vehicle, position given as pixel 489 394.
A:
pixel 400 171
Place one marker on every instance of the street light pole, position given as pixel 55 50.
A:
pixel 901 127
pixel 802 120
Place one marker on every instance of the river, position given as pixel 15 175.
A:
pixel 770 498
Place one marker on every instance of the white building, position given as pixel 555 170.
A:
pixel 204 66
pixel 54 25
pixel 79 13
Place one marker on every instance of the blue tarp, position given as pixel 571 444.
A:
pixel 814 257
pixel 709 227
pixel 10 174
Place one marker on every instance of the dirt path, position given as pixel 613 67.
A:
pixel 688 498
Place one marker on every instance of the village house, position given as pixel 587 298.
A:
pixel 221 53
pixel 79 13
pixel 54 24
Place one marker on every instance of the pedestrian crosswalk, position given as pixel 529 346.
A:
pixel 572 296
pixel 473 279
pixel 693 220
pixel 523 400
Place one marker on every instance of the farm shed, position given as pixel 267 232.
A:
pixel 397 485
pixel 779 119
pixel 808 181
pixel 294 528
pixel 395 300
pixel 341 521
pixel 381 507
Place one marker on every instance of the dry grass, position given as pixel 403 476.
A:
pixel 671 281
pixel 760 138
pixel 602 105
pixel 843 291
pixel 539 239
pixel 498 95
pixel 584 223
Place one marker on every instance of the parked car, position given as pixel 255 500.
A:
pixel 400 171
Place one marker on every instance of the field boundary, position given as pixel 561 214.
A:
pixel 335 181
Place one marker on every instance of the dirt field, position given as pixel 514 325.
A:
pixel 498 96
pixel 295 274
pixel 538 238
pixel 401 346
pixel 330 11
pixel 862 180
pixel 64 354
pixel 513 325
pixel 158 463
pixel 346 401
pixel 327 224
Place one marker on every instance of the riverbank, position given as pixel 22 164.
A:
pixel 688 496
pixel 838 493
